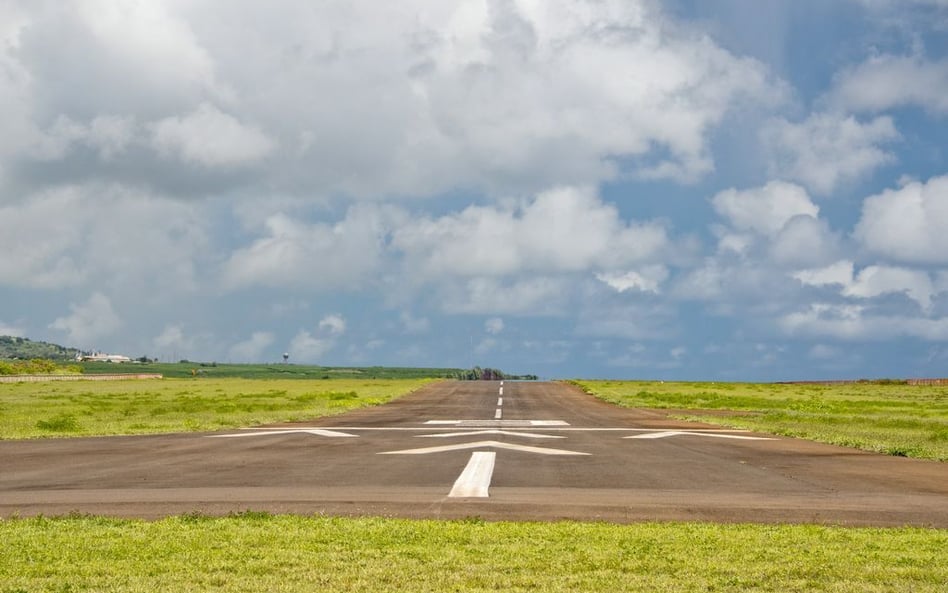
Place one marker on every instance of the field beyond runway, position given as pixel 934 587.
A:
pixel 514 451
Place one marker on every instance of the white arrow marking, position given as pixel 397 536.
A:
pixel 316 431
pixel 675 433
pixel 528 435
pixel 475 479
pixel 486 423
pixel 483 444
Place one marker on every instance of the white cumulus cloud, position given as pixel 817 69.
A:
pixel 907 224
pixel 766 209
pixel 494 325
pixel 321 256
pixel 887 81
pixel 334 325
pixel 88 321
pixel 646 279
pixel 563 230
pixel 211 138
pixel 828 149
pixel 251 349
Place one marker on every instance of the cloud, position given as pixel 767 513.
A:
pixel 630 321
pixel 210 138
pixel 307 348
pixel 874 281
pixel 764 210
pixel 101 236
pixel 174 344
pixel 494 325
pixel 7 329
pixel 107 135
pixel 251 349
pixel 88 321
pixel 310 347
pixel 839 273
pixel 777 223
pixel 413 100
pixel 856 323
pixel 320 256
pixel 646 279
pixel 110 57
pixel 805 240
pixel 412 324
pixel 531 295
pixel 562 230
pixel 907 224
pixel 828 149
pixel 334 325
pixel 888 81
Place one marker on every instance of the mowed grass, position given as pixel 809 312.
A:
pixel 904 420
pixel 257 552
pixel 82 408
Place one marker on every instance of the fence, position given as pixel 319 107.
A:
pixel 870 382
pixel 43 378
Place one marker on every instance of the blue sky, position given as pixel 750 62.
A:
pixel 729 190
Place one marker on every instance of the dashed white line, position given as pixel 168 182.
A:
pixel 474 481
pixel 500 401
pixel 498 414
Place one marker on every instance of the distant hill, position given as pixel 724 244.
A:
pixel 13 348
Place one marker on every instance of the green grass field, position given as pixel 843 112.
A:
pixel 905 420
pixel 254 552
pixel 259 552
pixel 82 408
pixel 266 371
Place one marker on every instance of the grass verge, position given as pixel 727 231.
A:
pixel 259 552
pixel 904 420
pixel 31 410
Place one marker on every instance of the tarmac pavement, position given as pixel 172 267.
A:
pixel 498 451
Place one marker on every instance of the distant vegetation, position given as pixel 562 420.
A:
pixel 37 366
pixel 21 353
pixel 220 370
pixel 479 374
pixel 14 348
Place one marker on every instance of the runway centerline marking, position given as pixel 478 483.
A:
pixel 474 481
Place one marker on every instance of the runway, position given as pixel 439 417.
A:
pixel 497 451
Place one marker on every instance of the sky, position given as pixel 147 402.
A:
pixel 732 190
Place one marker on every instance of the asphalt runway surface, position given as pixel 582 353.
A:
pixel 497 451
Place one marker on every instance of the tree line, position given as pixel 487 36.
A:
pixel 489 374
